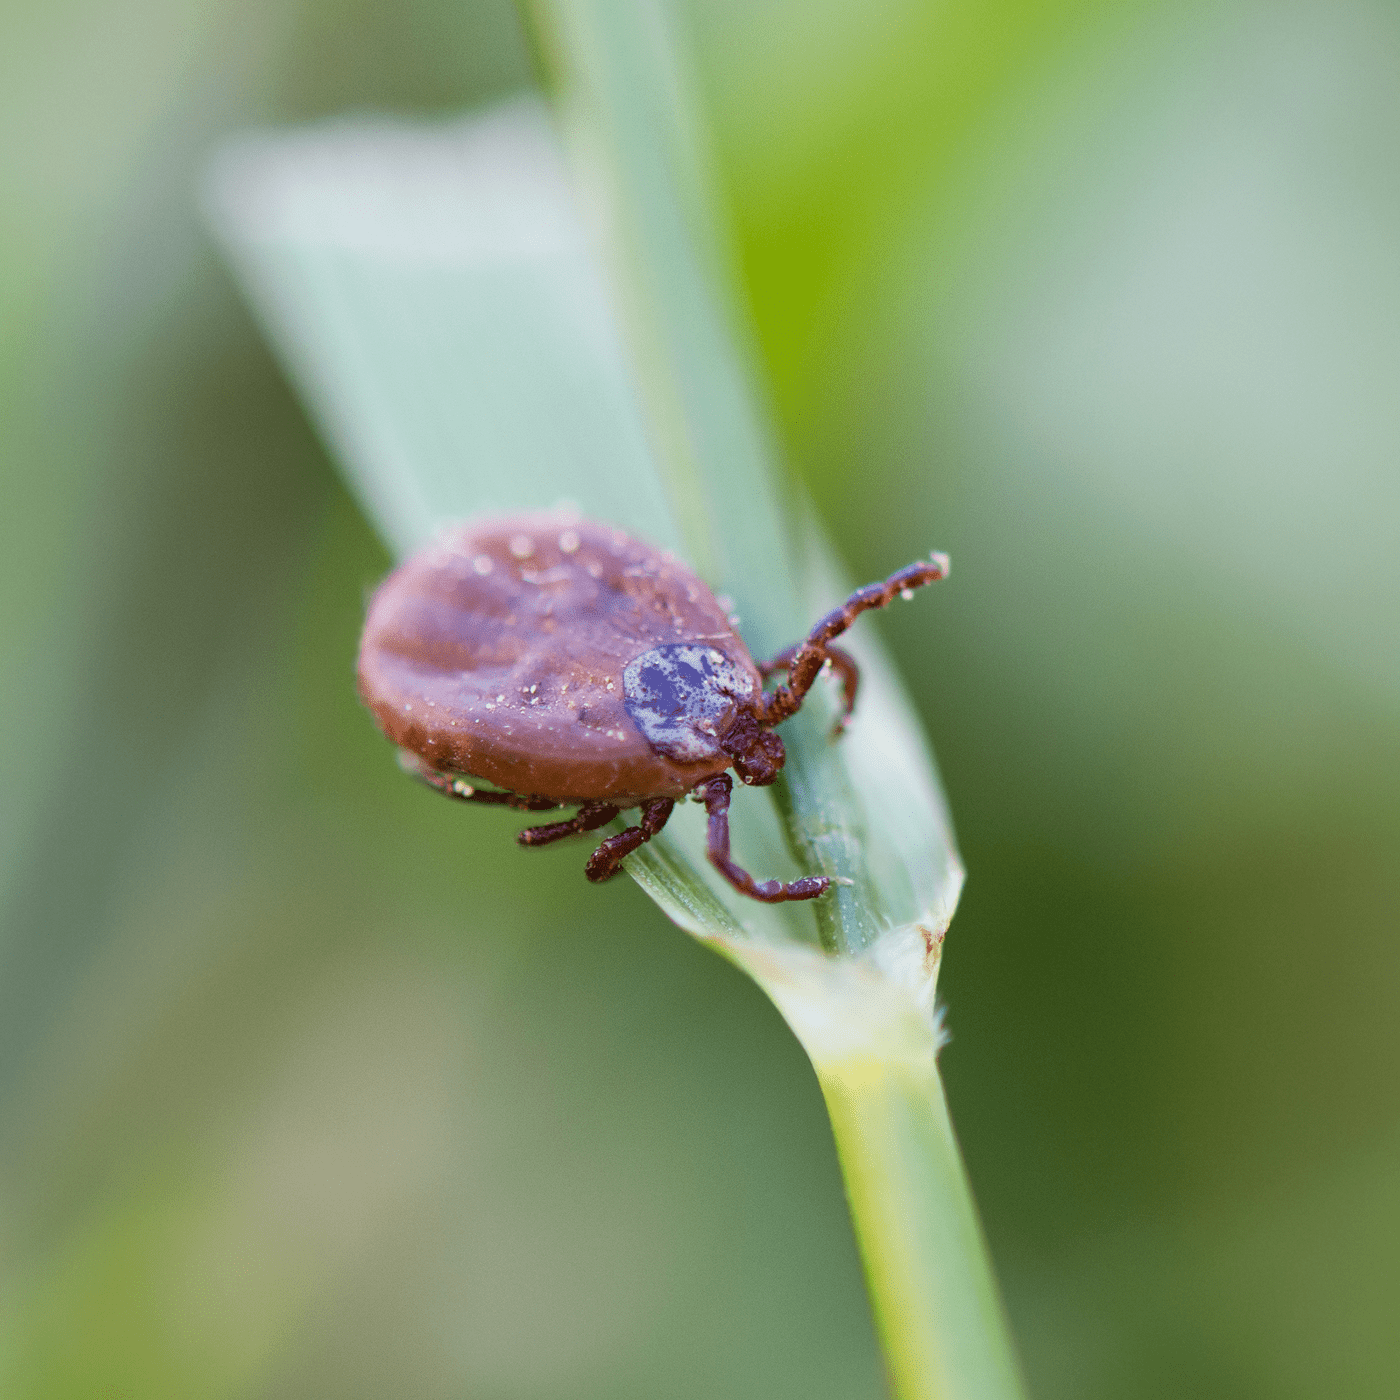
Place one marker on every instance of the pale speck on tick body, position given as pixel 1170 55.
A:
pixel 521 546
pixel 482 564
pixel 569 541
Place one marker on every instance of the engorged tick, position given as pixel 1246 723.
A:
pixel 633 689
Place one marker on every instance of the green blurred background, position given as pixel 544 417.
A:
pixel 312 1085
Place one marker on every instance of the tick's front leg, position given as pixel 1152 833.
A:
pixel 806 659
pixel 841 661
pixel 715 795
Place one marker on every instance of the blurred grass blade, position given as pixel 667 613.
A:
pixel 436 296
pixel 935 1301
pixel 433 295
pixel 866 1020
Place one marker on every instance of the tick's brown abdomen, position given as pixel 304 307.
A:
pixel 498 652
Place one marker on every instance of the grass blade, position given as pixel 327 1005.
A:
pixel 435 293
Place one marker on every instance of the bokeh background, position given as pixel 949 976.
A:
pixel 311 1085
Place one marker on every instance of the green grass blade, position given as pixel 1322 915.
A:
pixel 935 1301
pixel 433 292
pixel 436 294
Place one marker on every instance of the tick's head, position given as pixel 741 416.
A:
pixel 758 753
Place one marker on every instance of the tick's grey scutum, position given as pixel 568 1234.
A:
pixel 680 697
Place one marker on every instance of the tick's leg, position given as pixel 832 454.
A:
pixel 607 860
pixel 588 818
pixel 842 662
pixel 807 659
pixel 779 663
pixel 715 795
pixel 460 790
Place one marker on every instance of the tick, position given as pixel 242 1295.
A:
pixel 570 665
